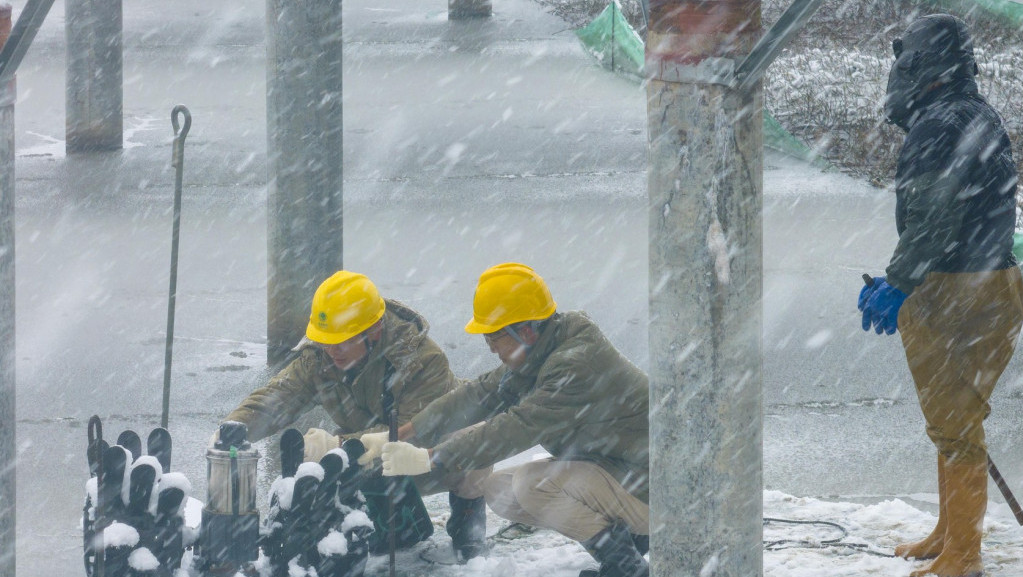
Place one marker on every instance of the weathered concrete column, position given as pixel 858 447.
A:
pixel 463 9
pixel 8 452
pixel 94 92
pixel 705 184
pixel 304 162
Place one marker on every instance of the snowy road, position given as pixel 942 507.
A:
pixel 466 144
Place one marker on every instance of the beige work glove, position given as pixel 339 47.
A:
pixel 373 442
pixel 401 458
pixel 318 443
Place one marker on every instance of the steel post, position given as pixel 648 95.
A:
pixel 705 182
pixel 8 451
pixel 304 162
pixel 465 9
pixel 94 91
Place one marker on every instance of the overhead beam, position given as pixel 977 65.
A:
pixel 22 34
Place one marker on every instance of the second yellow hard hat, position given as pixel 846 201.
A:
pixel 506 294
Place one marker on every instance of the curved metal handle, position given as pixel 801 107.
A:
pixel 180 109
pixel 180 132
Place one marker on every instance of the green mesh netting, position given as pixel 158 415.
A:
pixel 616 46
pixel 777 138
pixel 611 39
pixel 1005 11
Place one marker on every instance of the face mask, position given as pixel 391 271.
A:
pixel 903 86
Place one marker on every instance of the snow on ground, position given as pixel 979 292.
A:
pixel 872 528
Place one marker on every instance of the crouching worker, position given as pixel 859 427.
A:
pixel 561 385
pixel 952 287
pixel 364 356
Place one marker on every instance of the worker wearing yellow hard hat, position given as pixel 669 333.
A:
pixel 564 386
pixel 363 356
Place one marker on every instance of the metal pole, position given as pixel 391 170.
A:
pixel 8 452
pixel 178 162
pixel 304 163
pixel 705 182
pixel 94 91
pixel 392 493
pixel 467 9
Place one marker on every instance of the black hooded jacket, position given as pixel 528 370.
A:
pixel 955 187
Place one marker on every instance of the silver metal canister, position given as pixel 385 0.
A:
pixel 229 537
pixel 231 478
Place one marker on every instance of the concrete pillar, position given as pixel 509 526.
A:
pixel 304 162
pixel 464 9
pixel 94 91
pixel 705 182
pixel 8 452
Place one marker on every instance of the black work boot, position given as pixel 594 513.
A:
pixel 642 543
pixel 616 552
pixel 467 526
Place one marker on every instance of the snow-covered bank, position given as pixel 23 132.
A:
pixel 873 529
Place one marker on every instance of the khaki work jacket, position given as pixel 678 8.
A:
pixel 353 399
pixel 576 396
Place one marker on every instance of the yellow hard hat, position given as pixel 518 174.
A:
pixel 344 305
pixel 509 293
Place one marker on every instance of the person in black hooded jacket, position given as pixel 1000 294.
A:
pixel 952 287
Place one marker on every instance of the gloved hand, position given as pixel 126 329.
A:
pixel 882 309
pixel 373 442
pixel 318 443
pixel 868 290
pixel 401 458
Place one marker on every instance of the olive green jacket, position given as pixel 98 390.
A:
pixel 353 399
pixel 576 396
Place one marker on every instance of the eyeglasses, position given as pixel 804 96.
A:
pixel 343 345
pixel 495 336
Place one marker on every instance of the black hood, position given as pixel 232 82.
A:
pixel 933 56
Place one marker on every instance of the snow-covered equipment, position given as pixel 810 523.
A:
pixel 131 441
pixel 412 522
pixel 159 445
pixel 229 537
pixel 133 519
pixel 317 519
pixel 394 504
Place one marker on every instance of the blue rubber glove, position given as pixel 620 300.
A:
pixel 868 290
pixel 882 309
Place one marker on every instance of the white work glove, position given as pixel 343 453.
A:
pixel 373 442
pixel 318 443
pixel 401 458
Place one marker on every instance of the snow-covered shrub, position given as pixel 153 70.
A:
pixel 828 87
